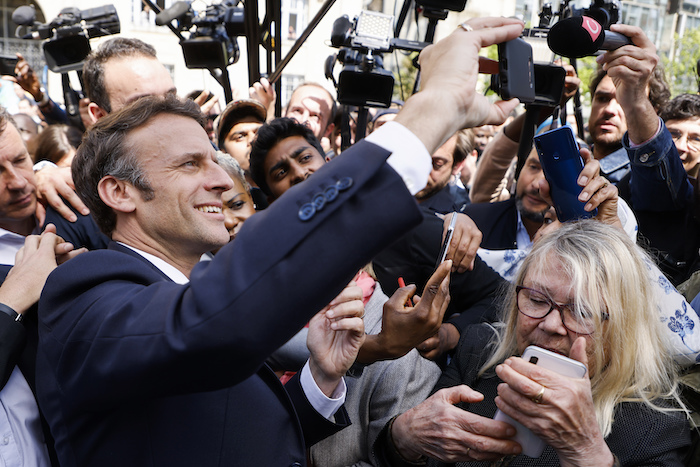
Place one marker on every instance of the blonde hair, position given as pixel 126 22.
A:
pixel 608 273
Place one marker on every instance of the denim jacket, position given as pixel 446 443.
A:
pixel 658 181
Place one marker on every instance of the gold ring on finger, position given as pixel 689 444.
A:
pixel 540 395
pixel 466 27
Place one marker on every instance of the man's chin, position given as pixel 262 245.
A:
pixel 531 214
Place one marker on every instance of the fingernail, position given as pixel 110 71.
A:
pixel 588 207
pixel 72 218
pixel 510 432
pixel 599 59
pixel 584 196
pixel 516 450
pixel 582 180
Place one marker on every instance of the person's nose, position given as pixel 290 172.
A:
pixel 14 179
pixel 217 179
pixel 298 174
pixel 553 323
pixel 682 146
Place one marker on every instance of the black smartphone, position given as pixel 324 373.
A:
pixel 7 65
pixel 562 164
pixel 516 72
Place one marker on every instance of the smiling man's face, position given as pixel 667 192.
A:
pixel 184 215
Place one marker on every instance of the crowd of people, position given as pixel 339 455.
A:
pixel 190 286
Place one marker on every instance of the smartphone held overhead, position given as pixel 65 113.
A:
pixel 562 164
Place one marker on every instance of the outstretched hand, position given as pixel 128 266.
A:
pixel 448 100
pixel 334 339
pixel 404 326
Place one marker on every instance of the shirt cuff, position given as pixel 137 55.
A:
pixel 658 130
pixel 409 158
pixel 324 405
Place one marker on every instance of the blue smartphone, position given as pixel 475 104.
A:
pixel 562 164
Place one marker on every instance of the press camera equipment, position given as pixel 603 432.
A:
pixel 363 82
pixel 212 33
pixel 606 12
pixel 68 34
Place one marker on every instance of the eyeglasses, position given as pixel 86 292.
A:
pixel 536 305
pixel 693 141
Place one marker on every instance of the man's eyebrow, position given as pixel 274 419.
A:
pixel 296 153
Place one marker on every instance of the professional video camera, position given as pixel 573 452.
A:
pixel 605 12
pixel 212 33
pixel 68 34
pixel 363 81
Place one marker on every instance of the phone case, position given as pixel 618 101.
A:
pixel 562 164
pixel 516 71
pixel 531 444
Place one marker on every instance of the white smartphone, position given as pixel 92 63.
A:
pixel 531 444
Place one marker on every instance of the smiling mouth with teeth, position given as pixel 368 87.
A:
pixel 213 209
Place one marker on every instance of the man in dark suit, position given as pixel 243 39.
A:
pixel 149 357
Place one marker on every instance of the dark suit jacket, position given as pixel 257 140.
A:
pixel 136 370
pixel 498 223
pixel 473 294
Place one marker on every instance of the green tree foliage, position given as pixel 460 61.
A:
pixel 681 72
pixel 405 75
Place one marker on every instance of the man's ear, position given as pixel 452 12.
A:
pixel 457 168
pixel 96 112
pixel 329 131
pixel 117 194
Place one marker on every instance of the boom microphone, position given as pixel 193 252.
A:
pixel 174 12
pixel 24 15
pixel 581 36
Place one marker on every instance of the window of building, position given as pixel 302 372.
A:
pixel 293 18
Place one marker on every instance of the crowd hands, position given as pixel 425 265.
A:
pixel 427 331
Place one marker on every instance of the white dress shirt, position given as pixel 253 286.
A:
pixel 21 437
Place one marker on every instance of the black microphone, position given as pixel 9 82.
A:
pixel 581 36
pixel 174 12
pixel 24 15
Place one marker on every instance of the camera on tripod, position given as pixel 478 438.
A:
pixel 68 34
pixel 212 32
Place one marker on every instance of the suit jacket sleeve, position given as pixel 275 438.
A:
pixel 108 321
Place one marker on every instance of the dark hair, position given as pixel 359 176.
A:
pixel 682 107
pixel 93 69
pixel 464 145
pixel 56 141
pixel 105 150
pixel 659 93
pixel 269 135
